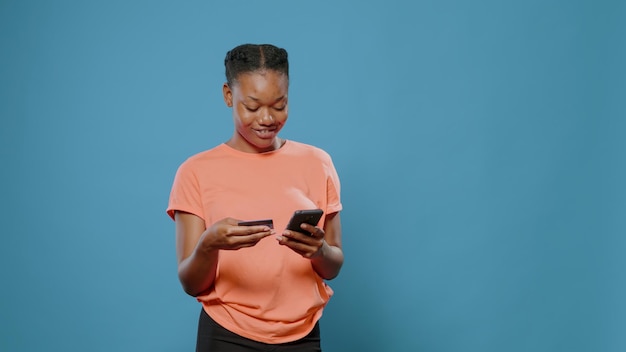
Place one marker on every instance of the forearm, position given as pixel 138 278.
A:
pixel 197 272
pixel 329 261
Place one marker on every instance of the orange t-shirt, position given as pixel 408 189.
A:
pixel 267 292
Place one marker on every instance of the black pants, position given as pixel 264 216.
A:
pixel 214 338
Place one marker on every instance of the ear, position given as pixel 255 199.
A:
pixel 228 95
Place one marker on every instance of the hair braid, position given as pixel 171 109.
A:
pixel 254 57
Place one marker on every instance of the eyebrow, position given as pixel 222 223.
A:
pixel 275 101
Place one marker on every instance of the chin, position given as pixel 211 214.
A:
pixel 266 147
pixel 263 144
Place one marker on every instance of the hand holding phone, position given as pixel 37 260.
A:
pixel 308 216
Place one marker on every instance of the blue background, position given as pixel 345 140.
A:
pixel 481 147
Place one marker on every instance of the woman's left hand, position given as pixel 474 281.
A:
pixel 308 246
pixel 322 246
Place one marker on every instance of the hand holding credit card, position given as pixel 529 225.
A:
pixel 267 222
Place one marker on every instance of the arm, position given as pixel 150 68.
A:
pixel 197 247
pixel 322 247
pixel 329 259
pixel 197 263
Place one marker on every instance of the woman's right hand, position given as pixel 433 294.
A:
pixel 227 234
pixel 197 247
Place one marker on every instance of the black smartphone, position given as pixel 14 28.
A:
pixel 309 216
pixel 267 222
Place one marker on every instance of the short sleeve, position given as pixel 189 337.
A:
pixel 185 194
pixel 333 189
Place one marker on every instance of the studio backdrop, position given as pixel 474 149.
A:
pixel 480 144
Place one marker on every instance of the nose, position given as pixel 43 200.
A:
pixel 267 119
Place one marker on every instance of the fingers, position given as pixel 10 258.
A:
pixel 305 249
pixel 249 230
pixel 254 233
pixel 312 231
pixel 234 229
pixel 227 234
pixel 302 243
pixel 230 235
pixel 239 240
pixel 310 234
pixel 315 232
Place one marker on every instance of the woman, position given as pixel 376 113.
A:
pixel 260 289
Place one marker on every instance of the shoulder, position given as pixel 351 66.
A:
pixel 307 150
pixel 202 158
pixel 314 157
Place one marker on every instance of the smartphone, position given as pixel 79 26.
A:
pixel 309 216
pixel 267 222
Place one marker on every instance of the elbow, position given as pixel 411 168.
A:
pixel 328 272
pixel 195 282
pixel 189 290
pixel 331 274
pixel 193 290
pixel 330 277
pixel 190 287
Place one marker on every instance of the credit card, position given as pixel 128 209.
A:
pixel 267 222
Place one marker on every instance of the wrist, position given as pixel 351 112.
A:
pixel 321 252
pixel 205 245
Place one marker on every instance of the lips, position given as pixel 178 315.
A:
pixel 265 133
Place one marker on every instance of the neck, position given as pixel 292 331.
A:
pixel 246 147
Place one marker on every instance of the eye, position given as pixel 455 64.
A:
pixel 280 108
pixel 251 109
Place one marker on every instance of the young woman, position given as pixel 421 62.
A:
pixel 261 287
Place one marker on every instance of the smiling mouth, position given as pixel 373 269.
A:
pixel 265 133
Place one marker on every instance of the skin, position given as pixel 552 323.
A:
pixel 260 109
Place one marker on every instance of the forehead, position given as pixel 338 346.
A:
pixel 262 84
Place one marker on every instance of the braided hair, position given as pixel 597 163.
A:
pixel 253 57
